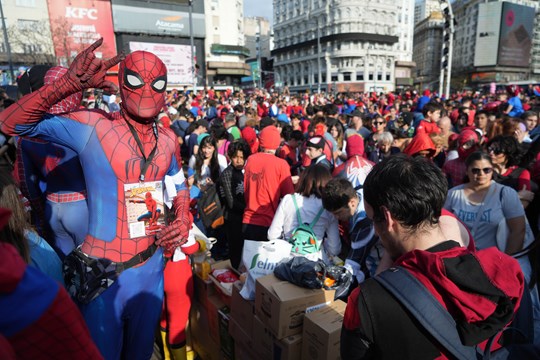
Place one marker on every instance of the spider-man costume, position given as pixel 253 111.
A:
pixel 113 153
pixel 51 178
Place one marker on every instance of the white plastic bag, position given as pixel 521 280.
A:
pixel 260 258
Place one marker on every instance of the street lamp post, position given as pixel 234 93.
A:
pixel 319 58
pixel 193 73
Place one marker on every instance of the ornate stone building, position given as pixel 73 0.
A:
pixel 359 43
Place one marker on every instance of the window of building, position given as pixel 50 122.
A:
pixel 346 76
pixel 360 76
pixel 27 24
pixel 370 77
pixel 379 76
pixel 334 78
pixel 25 3
pixel 387 77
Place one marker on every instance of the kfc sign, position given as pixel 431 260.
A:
pixel 81 13
pixel 75 24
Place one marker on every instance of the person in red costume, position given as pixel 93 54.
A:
pixel 117 274
pixel 38 320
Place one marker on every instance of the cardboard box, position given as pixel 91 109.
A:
pixel 322 330
pixel 203 289
pixel 288 348
pixel 223 290
pixel 268 347
pixel 203 344
pixel 263 340
pixel 281 305
pixel 242 310
pixel 226 341
pixel 243 342
pixel 214 306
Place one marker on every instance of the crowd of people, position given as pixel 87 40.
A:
pixel 381 178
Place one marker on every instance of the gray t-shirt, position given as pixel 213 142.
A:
pixel 493 211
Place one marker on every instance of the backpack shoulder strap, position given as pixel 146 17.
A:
pixel 297 210
pixel 426 309
pixel 316 218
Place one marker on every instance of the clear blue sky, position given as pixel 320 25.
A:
pixel 258 8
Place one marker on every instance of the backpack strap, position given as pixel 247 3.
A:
pixel 426 309
pixel 316 218
pixel 300 217
pixel 297 210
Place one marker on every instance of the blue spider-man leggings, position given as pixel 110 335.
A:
pixel 123 319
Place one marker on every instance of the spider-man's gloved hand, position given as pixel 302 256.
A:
pixel 176 233
pixel 87 71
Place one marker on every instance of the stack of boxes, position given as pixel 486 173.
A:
pixel 284 322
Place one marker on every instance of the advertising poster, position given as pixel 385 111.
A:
pixel 144 208
pixel 517 24
pixel 177 58
pixel 77 23
pixel 487 34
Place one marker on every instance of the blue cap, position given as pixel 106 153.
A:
pixel 190 172
pixel 283 118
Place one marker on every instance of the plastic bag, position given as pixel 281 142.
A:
pixel 260 258
pixel 302 272
pixel 315 275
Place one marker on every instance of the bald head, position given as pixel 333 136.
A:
pixel 445 124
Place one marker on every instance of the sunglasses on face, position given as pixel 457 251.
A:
pixel 378 122
pixel 476 171
pixel 495 150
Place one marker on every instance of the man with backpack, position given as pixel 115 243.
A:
pixel 478 293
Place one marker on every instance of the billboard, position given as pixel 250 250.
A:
pixel 517 24
pixel 177 58
pixel 136 20
pixel 77 23
pixel 504 35
pixel 487 34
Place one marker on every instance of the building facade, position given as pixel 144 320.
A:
pixel 428 35
pixel 224 47
pixel 358 43
pixel 464 72
pixel 424 8
pixel 29 36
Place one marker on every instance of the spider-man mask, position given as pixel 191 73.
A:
pixel 143 80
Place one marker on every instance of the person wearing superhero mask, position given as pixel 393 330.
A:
pixel 127 266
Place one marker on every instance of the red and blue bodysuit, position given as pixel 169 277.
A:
pixel 51 177
pixel 128 150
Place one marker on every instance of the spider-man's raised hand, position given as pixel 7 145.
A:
pixel 87 71
pixel 176 233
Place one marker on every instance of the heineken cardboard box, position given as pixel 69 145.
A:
pixel 281 306
pixel 322 330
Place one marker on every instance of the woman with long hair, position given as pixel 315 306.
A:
pixel 307 198
pixel 207 163
pixel 19 233
pixel 505 156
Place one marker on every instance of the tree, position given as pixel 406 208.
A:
pixel 31 43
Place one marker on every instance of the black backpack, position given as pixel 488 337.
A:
pixel 210 208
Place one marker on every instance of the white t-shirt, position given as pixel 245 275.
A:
pixel 493 211
pixel 326 229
